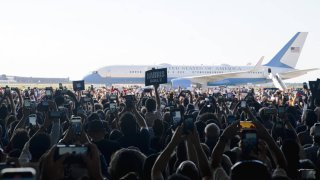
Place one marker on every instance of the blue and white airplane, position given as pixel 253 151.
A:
pixel 280 67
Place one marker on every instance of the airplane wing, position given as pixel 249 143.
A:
pixel 296 73
pixel 213 77
pixel 258 65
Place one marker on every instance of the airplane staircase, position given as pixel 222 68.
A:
pixel 277 81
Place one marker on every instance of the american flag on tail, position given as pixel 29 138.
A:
pixel 295 49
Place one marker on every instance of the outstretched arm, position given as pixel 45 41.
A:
pixel 218 150
pixel 157 97
pixel 163 158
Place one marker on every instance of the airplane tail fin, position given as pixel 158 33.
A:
pixel 288 56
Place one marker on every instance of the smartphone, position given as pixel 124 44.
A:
pixel 176 117
pixel 243 104
pixel 279 124
pixel 80 111
pixel 7 90
pixel 33 119
pixel 60 86
pixel 48 92
pixel 281 111
pixel 249 140
pixel 247 125
pixel 55 114
pixel 78 85
pixel 305 85
pixel 25 173
pixel 188 124
pixel 231 119
pixel 26 103
pixel 307 173
pixel 147 90
pixel 76 125
pixel 71 149
pixel 45 105
pixel 269 111
pixel 113 97
pixel 87 99
pixel 113 107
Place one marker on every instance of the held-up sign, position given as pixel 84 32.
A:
pixel 156 76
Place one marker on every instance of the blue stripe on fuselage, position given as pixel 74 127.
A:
pixel 236 81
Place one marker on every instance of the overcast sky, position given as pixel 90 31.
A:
pixel 71 38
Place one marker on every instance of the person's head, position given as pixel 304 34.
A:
pixel 19 138
pixel 124 161
pixel 310 118
pixel 151 105
pixel 314 134
pixel 176 176
pixel 317 102
pixel 291 149
pixel 59 100
pixel 101 114
pixel 93 116
pixel 209 116
pixel 12 125
pixel 96 130
pixel 98 106
pixel 10 119
pixel 212 132
pixel 128 125
pixel 250 170
pixel 188 169
pixel 115 135
pixel 3 111
pixel 157 127
pixel 167 117
pixel 263 115
pixel 39 144
pixel 147 166
pixel 130 176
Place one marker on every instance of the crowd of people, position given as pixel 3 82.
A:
pixel 158 133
